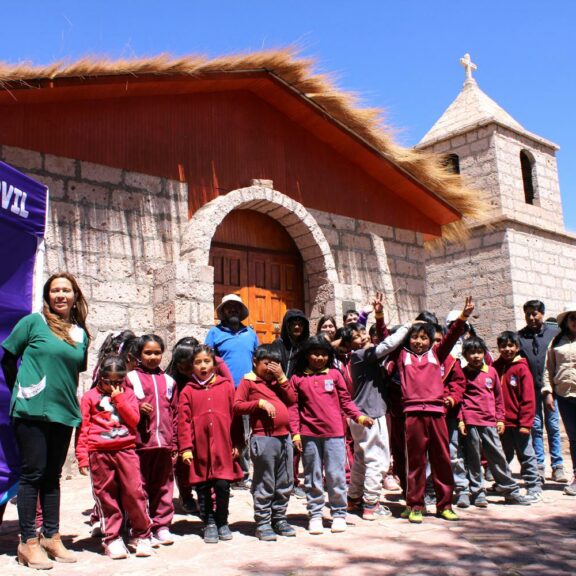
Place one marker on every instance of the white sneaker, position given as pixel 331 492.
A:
pixel 315 526
pixel 143 547
pixel 116 550
pixel 162 537
pixel 339 524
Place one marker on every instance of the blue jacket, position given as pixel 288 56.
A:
pixel 235 348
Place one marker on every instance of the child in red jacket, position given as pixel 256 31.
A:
pixel 424 404
pixel 265 395
pixel 482 417
pixel 106 447
pixel 520 407
pixel 209 438
pixel 156 442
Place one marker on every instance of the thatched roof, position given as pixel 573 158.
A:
pixel 344 107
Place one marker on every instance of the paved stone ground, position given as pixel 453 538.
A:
pixel 504 540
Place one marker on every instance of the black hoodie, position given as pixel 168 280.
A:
pixel 284 344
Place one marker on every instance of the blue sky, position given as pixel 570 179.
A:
pixel 399 55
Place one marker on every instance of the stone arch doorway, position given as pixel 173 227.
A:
pixel 320 279
pixel 253 256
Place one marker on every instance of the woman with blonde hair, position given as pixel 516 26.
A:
pixel 52 346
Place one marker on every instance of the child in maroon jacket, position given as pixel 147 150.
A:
pixel 156 443
pixel 265 395
pixel 520 407
pixel 318 431
pixel 424 403
pixel 482 417
pixel 106 447
pixel 209 439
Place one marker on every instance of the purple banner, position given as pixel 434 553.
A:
pixel 22 225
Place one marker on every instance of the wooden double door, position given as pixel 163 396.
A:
pixel 254 257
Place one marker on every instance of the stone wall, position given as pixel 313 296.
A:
pixel 481 268
pixel 143 264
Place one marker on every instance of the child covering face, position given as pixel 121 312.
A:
pixel 265 395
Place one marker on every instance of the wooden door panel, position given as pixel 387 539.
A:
pixel 268 283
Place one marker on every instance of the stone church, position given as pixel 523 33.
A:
pixel 174 181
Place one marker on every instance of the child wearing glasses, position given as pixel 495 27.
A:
pixel 106 448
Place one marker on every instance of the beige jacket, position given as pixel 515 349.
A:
pixel 560 371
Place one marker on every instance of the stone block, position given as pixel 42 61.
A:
pixel 59 165
pixel 151 184
pixel 108 316
pixel 85 192
pixel 22 159
pixel 405 236
pixel 357 242
pixel 56 187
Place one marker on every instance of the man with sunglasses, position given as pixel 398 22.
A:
pixel 535 338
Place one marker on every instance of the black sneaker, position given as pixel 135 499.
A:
pixel 517 499
pixel 224 532
pixel 265 533
pixel 283 528
pixel 189 505
pixel 211 535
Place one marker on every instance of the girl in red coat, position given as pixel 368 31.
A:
pixel 205 430
pixel 106 447
pixel 156 442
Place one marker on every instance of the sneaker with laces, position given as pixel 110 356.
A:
pixel 415 517
pixel 264 533
pixel 375 511
pixel 316 526
pixel 390 484
pixel 224 532
pixel 162 537
pixel 570 490
pixel 211 535
pixel 558 475
pixel 299 492
pixel 116 550
pixel 406 513
pixel 480 500
pixel 338 524
pixel 143 548
pixel 534 496
pixel 463 500
pixel 282 528
pixel 448 514
pixel 515 498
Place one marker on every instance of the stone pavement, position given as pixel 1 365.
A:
pixel 504 540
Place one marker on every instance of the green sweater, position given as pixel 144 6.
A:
pixel 47 381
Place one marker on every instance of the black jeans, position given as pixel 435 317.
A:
pixel 209 513
pixel 43 447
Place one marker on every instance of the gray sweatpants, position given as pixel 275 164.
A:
pixel 328 454
pixel 486 438
pixel 272 477
pixel 521 444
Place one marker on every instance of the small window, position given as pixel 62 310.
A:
pixel 452 163
pixel 528 176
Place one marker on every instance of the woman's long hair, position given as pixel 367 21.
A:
pixel 78 313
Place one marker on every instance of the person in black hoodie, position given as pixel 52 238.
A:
pixel 295 331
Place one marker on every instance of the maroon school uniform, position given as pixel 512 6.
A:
pixel 482 403
pixel 454 383
pixel 206 426
pixel 322 398
pixel 426 433
pixel 156 441
pixel 251 390
pixel 106 443
pixel 517 391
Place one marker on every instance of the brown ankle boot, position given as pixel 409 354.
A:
pixel 31 554
pixel 56 549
